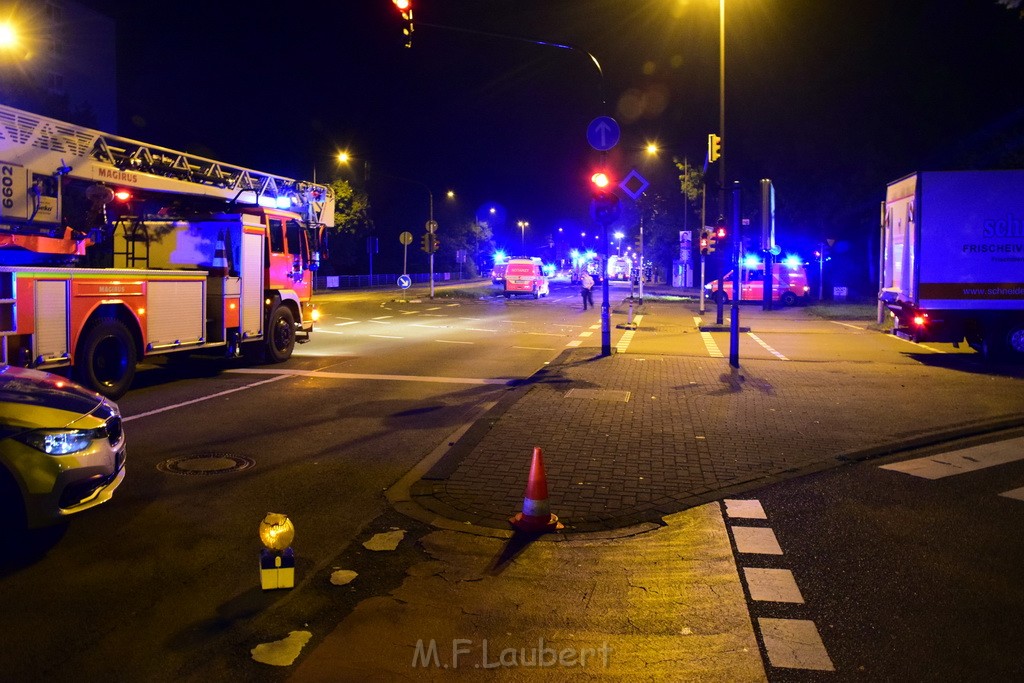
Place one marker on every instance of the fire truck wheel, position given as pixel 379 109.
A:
pixel 280 334
pixel 788 299
pixel 106 358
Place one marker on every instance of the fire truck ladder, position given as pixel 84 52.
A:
pixel 52 146
pixel 135 232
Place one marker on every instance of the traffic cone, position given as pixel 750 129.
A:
pixel 219 267
pixel 536 516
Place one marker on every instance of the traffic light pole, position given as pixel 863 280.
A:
pixel 734 324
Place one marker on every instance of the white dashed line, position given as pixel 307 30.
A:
pixel 384 336
pixel 756 540
pixel 766 347
pixel 1016 494
pixel 855 327
pixel 351 322
pixel 575 342
pixel 920 346
pixel 794 644
pixel 450 341
pixel 744 509
pixel 959 462
pixel 586 334
pixel 772 585
pixel 710 345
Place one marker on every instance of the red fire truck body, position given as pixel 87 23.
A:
pixel 112 250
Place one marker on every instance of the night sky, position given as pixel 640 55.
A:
pixel 830 99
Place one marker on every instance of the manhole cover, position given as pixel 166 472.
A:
pixel 206 463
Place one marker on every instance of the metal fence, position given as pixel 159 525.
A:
pixel 324 282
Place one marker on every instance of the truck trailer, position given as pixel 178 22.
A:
pixel 952 259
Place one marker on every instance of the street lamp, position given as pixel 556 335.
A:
pixel 523 225
pixel 618 247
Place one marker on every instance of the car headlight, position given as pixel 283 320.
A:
pixel 59 441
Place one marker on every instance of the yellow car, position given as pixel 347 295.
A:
pixel 62 449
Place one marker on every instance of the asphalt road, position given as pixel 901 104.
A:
pixel 907 578
pixel 163 584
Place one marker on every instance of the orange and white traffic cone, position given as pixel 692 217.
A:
pixel 219 267
pixel 536 516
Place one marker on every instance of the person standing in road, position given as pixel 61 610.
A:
pixel 587 289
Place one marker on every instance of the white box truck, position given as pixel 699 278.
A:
pixel 952 261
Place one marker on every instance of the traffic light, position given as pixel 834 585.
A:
pixel 705 242
pixel 405 7
pixel 604 204
pixel 426 242
pixel 720 232
pixel 435 243
pixel 639 243
pixel 714 148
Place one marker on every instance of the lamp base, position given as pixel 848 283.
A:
pixel 277 569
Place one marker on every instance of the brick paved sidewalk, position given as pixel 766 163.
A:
pixel 630 439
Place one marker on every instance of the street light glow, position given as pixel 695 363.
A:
pixel 652 148
pixel 8 35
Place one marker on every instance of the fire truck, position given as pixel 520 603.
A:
pixel 114 250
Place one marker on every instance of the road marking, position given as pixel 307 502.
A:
pixel 384 336
pixel 321 330
pixel 962 461
pixel 129 418
pixel 794 644
pixel 431 327
pixel 407 312
pixel 546 334
pixel 710 345
pixel 382 317
pixel 907 341
pixel 745 509
pixel 766 347
pixel 478 329
pixel 455 304
pixel 380 322
pixel 575 342
pixel 1017 494
pixel 855 327
pixel 586 334
pixel 534 348
pixel 435 308
pixel 772 585
pixel 353 375
pixel 449 341
pixel 351 322
pixel 756 540
pixel 595 327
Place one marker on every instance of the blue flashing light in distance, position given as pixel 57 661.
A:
pixel 549 269
pixel 793 261
pixel 500 256
pixel 751 261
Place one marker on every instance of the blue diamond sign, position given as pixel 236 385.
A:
pixel 634 184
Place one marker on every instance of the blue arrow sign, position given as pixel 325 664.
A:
pixel 404 281
pixel 603 133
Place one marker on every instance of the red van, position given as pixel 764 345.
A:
pixel 526 276
pixel 789 285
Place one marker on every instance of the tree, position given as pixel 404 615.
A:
pixel 345 243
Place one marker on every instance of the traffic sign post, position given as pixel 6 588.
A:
pixel 406 239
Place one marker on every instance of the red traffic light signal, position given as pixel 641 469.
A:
pixel 600 180
pixel 405 7
pixel 604 204
pixel 720 233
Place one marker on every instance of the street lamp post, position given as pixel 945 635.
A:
pixel 523 225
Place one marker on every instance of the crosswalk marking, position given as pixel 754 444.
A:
pixel 756 540
pixel 962 461
pixel 794 644
pixel 772 585
pixel 766 347
pixel 745 509
pixel 1017 494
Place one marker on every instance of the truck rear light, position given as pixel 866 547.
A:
pixel 920 319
